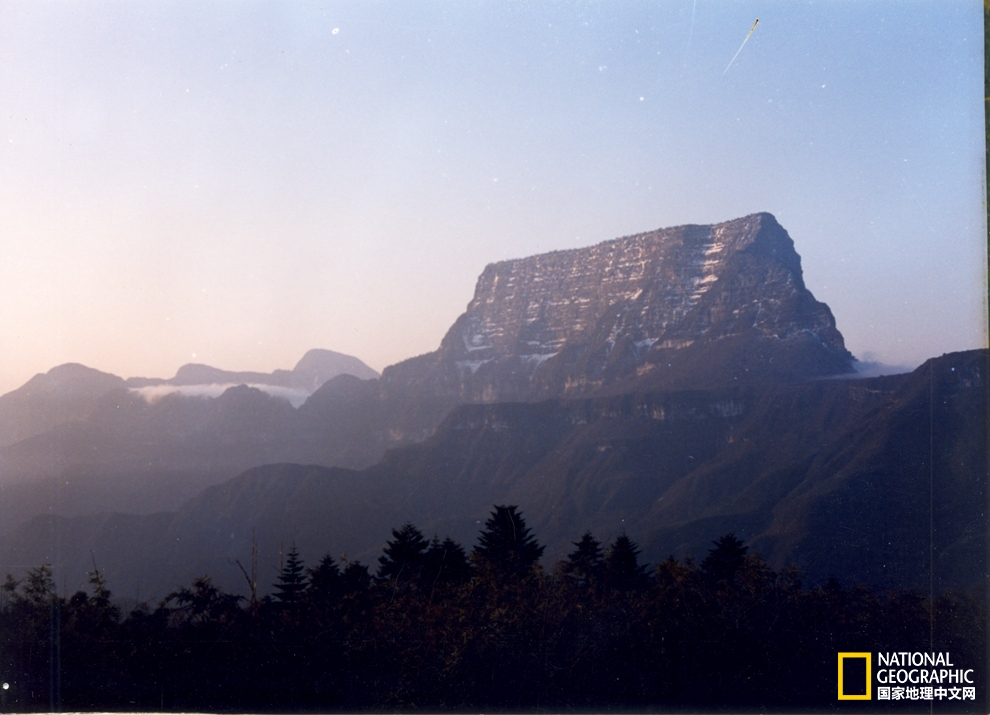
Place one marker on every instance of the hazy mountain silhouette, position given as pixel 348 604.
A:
pixel 81 441
pixel 676 385
pixel 66 393
pixel 847 477
pixel 315 368
pixel 680 308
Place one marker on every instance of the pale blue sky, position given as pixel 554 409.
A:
pixel 235 183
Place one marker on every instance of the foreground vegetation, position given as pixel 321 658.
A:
pixel 436 628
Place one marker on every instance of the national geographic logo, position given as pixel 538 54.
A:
pixel 904 676
pixel 855 674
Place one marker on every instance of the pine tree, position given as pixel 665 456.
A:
pixel 403 557
pixel 622 568
pixel 506 544
pixel 291 580
pixel 355 578
pixel 445 564
pixel 725 559
pixel 324 578
pixel 585 562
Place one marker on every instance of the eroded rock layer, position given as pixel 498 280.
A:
pixel 571 322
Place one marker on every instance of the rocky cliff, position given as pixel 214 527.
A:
pixel 573 322
pixel 686 308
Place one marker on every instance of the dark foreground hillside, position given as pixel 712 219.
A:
pixel 438 629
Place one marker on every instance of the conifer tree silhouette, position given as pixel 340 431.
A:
pixel 324 585
pixel 586 561
pixel 291 580
pixel 622 568
pixel 506 543
pixel 355 577
pixel 404 556
pixel 725 559
pixel 446 564
pixel 325 576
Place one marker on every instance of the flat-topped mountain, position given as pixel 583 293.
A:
pixel 665 384
pixel 690 307
pixel 572 322
pixel 718 307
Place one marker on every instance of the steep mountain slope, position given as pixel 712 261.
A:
pixel 851 477
pixel 906 488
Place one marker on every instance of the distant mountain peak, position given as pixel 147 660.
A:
pixel 199 374
pixel 318 366
pixel 74 377
pixel 63 394
pixel 315 368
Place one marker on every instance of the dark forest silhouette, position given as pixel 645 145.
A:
pixel 436 627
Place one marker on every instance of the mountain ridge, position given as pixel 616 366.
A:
pixel 670 383
pixel 674 470
pixel 314 368
pixel 76 440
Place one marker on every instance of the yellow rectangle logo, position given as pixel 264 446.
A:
pixel 855 676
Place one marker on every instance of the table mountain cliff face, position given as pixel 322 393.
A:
pixel 570 322
pixel 685 308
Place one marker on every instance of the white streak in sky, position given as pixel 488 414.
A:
pixel 690 33
pixel 740 47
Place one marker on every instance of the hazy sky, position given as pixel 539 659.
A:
pixel 234 183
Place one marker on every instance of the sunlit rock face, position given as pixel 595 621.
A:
pixel 684 298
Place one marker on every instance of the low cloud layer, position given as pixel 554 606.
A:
pixel 877 369
pixel 153 393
